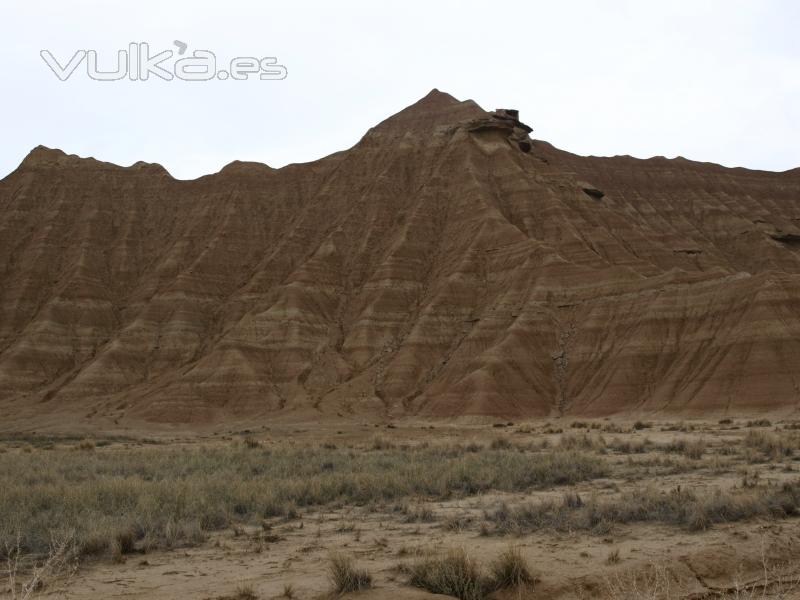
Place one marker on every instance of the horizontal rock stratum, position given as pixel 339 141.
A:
pixel 446 265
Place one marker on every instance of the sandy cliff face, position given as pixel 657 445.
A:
pixel 439 267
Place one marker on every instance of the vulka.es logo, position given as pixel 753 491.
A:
pixel 137 63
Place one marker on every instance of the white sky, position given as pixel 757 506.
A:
pixel 709 80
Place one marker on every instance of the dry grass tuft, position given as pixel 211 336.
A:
pixel 510 570
pixel 454 574
pixel 772 446
pixel 245 592
pixel 583 441
pixel 459 575
pixel 500 443
pixel 694 449
pixel 251 443
pixel 345 577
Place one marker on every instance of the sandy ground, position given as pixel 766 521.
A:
pixel 569 565
pixel 293 554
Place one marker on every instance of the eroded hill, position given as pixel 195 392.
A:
pixel 444 266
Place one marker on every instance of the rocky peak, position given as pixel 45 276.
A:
pixel 42 155
pixel 505 120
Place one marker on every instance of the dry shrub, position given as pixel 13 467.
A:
pixel 381 443
pixel 172 496
pixel 613 428
pixel 655 583
pixel 456 523
pixel 679 507
pixel 417 514
pixel 457 574
pixel 500 444
pixel 510 570
pixel 27 574
pixel 122 542
pixel 652 583
pixel 772 446
pixel 454 574
pixel 582 441
pixel 251 443
pixel 245 592
pixel 630 446
pixel 345 576
pixel 94 544
pixel 694 449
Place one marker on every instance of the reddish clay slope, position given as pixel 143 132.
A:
pixel 436 268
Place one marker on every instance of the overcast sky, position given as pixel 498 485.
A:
pixel 714 81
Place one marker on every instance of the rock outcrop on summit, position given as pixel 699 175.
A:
pixel 446 265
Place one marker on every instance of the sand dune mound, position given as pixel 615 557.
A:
pixel 446 265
